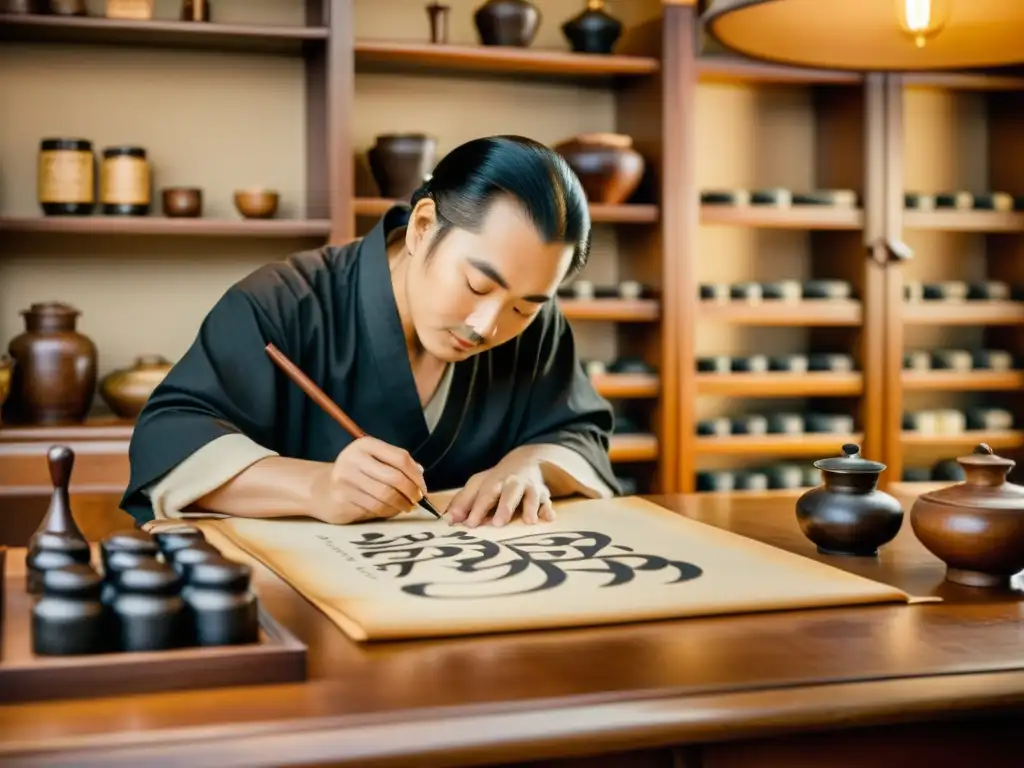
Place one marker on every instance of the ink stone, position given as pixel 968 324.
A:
pixel 135 541
pixel 222 606
pixel 148 612
pixel 53 550
pixel 68 619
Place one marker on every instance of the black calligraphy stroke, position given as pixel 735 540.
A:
pixel 514 566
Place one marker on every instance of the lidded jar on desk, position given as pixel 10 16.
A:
pixel 125 185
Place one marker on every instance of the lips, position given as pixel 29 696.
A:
pixel 462 342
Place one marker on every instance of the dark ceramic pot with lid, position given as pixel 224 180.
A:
pixel 975 527
pixel 594 30
pixel 507 22
pixel 847 514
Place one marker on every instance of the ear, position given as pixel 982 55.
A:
pixel 422 219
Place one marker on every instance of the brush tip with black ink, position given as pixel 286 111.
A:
pixel 425 503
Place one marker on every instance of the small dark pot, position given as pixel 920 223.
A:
pixel 507 22
pixel 594 30
pixel 848 515
pixel 401 162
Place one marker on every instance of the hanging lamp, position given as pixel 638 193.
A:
pixel 872 35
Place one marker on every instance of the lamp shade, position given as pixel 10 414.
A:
pixel 872 35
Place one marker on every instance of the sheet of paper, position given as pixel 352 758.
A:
pixel 601 562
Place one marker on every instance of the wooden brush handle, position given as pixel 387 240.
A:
pixel 316 394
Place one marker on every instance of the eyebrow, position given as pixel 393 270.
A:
pixel 492 273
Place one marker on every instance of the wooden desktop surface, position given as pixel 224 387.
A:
pixel 881 685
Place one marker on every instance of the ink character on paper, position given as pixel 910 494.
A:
pixel 460 565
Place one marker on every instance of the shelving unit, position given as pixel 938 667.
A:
pixel 759 127
pixel 950 133
pixel 350 75
pixel 702 120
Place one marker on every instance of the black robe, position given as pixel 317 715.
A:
pixel 332 311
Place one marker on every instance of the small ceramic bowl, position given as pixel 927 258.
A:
pixel 183 202
pixel 256 203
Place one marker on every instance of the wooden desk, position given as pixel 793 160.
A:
pixel 941 684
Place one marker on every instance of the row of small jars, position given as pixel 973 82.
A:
pixel 67 179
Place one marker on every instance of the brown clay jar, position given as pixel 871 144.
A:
pixel 126 390
pixel 608 166
pixel 6 372
pixel 400 162
pixel 54 378
pixel 507 22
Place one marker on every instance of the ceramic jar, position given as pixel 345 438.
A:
pixel 6 372
pixel 126 390
pixel 400 162
pixel 507 22
pixel 848 515
pixel 975 527
pixel 608 166
pixel 594 30
pixel 54 378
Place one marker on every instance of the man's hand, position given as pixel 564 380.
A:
pixel 506 488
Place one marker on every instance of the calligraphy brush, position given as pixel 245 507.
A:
pixel 318 396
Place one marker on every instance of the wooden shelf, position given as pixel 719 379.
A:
pixel 416 57
pixel 782 313
pixel 964 81
pixel 631 448
pixel 911 490
pixel 997 439
pixel 724 68
pixel 965 221
pixel 92 429
pixel 99 224
pixel 626 385
pixel 816 445
pixel 176 34
pixel 789 217
pixel 771 493
pixel 609 214
pixel 612 310
pixel 963 313
pixel 961 381
pixel 780 384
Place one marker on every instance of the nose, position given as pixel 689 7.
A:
pixel 484 321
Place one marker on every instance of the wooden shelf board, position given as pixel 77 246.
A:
pixel 961 381
pixel 780 384
pixel 612 310
pixel 782 313
pixel 963 313
pixel 996 438
pixel 92 429
pixel 964 81
pixel 817 445
pixel 99 224
pixel 782 217
pixel 626 385
pixel 633 448
pixel 163 33
pixel 611 214
pixel 725 68
pixel 424 57
pixel 965 221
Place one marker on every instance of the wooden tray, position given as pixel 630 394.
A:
pixel 278 657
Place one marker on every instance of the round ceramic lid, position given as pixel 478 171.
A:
pixel 850 461
pixel 985 486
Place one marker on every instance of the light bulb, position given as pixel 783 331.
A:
pixel 921 20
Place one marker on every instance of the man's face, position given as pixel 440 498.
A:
pixel 477 291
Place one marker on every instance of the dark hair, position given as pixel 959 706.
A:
pixel 468 179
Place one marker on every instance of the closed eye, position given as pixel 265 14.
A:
pixel 474 290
